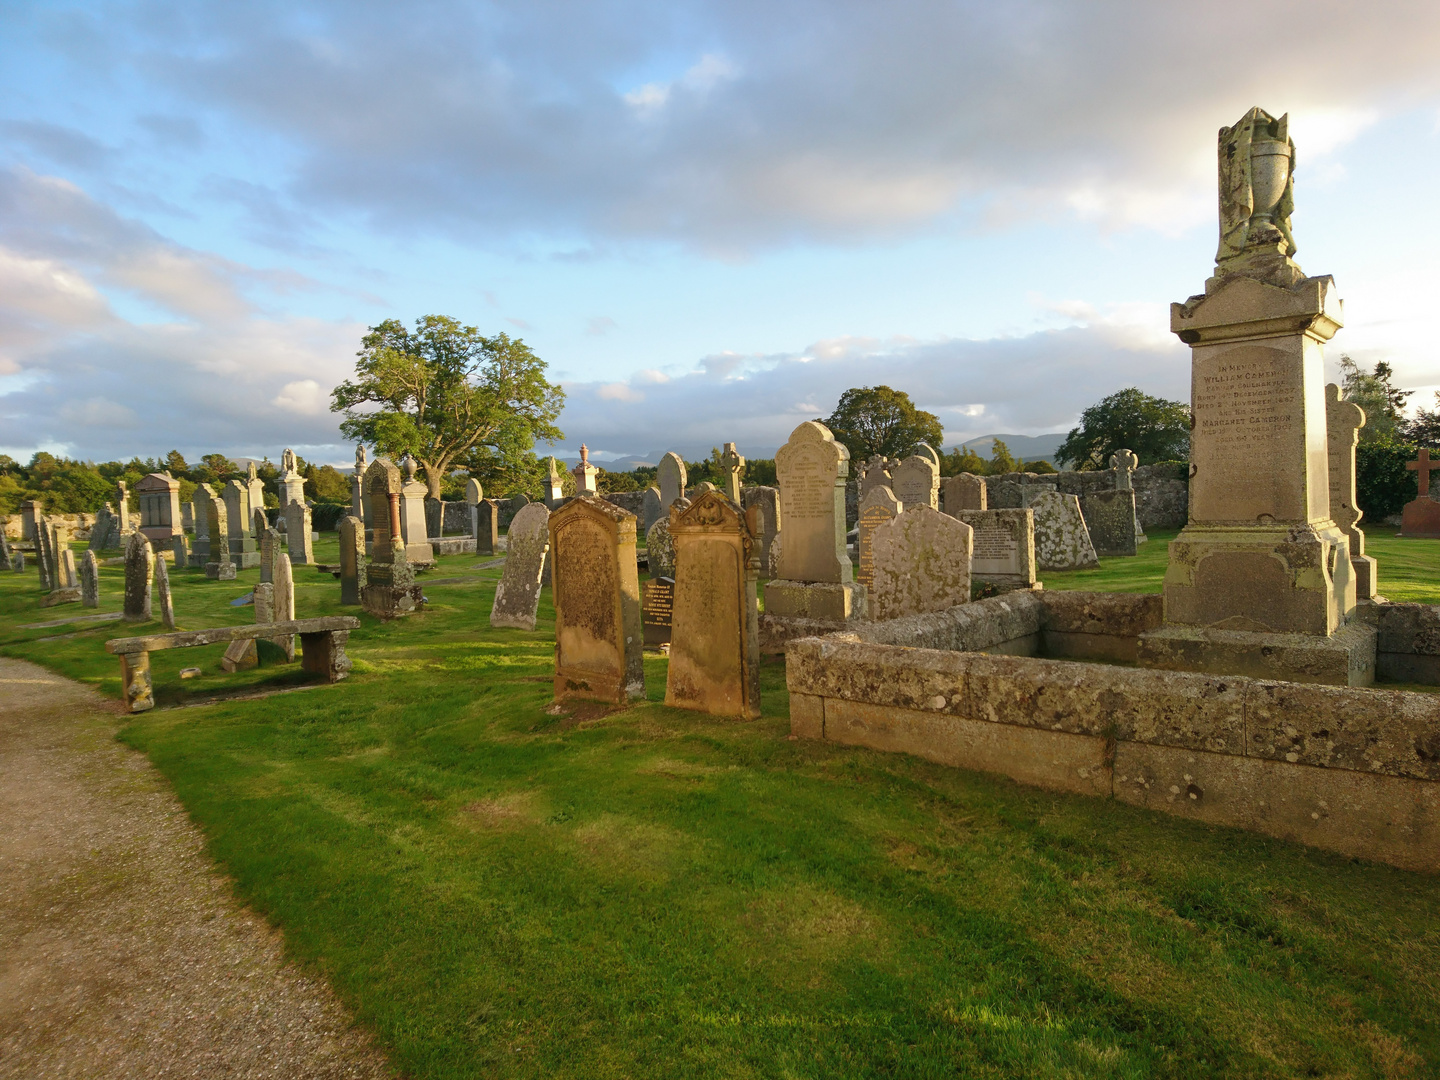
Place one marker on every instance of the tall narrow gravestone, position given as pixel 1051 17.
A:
pixel 922 563
pixel 596 588
pixel 877 507
pixel 732 467
pixel 284 586
pixel 517 596
pixel 90 580
pixel 352 559
pixel 1343 421
pixel 715 624
pixel 815 578
pixel 243 551
pixel 654 509
pixel 200 505
pixel 298 536
pixel 357 489
pixel 139 570
pixel 1260 554
pixel 390 590
pixel 671 477
pixel 485 524
pixel 162 594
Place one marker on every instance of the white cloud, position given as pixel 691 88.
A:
pixel 618 391
pixel 304 396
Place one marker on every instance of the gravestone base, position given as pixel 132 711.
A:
pixel 796 609
pixel 61 596
pixel 245 560
pixel 452 545
pixel 1345 658
pixel 220 571
pixel 1365 570
pixel 390 591
pixel 1421 519
pixel 1267 579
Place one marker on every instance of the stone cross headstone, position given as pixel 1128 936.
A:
pixel 596 589
pixel 875 471
pixel 162 593
pixel 517 596
pixel 812 467
pixel 964 492
pixel 715 625
pixel 877 507
pixel 485 526
pixel 586 475
pixel 284 585
pixel 139 570
pixel 1124 462
pixel 654 508
pixel 1421 516
pixel 298 535
pixel 1003 547
pixel 352 559
pixel 659 549
pixel 1062 542
pixel 733 467
pixel 1343 421
pixel 922 563
pixel 671 477
pixel 916 481
pixel 90 580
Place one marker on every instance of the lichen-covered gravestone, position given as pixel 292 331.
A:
pixel 654 508
pixel 715 627
pixel 964 492
pixel 269 548
pixel 598 633
pixel 518 594
pixel 90 580
pixel 877 507
pixel 139 570
pixel 875 471
pixel 162 593
pixel 922 563
pixel 659 549
pixel 284 585
pixel 485 522
pixel 1110 519
pixel 1002 550
pixel 352 559
pixel 1062 542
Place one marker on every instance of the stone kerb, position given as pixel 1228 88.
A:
pixel 599 637
pixel 714 633
pixel 922 563
pixel 517 596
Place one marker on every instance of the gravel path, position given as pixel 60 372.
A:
pixel 122 951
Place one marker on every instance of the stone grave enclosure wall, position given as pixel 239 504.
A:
pixel 78 524
pixel 1162 493
pixel 1351 770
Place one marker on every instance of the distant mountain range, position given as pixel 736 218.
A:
pixel 1022 447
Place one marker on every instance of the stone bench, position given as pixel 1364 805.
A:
pixel 322 642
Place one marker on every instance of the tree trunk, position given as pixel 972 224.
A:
pixel 433 474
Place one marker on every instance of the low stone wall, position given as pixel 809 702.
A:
pixel 1350 770
pixel 633 501
pixel 1162 492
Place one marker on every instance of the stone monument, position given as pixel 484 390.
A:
pixel 1002 551
pixel 671 477
pixel 162 594
pixel 244 552
pixel 1062 540
pixel 517 596
pixel 596 589
pixel 159 495
pixel 485 526
pixel 715 626
pixel 922 564
pixel 139 570
pixel 1343 421
pixel 390 590
pixel 474 491
pixel 298 535
pixel 200 512
pixel 660 548
pixel 554 485
pixel 352 559
pixel 1111 522
pixel 414 529
pixel 1260 554
pixel 587 476
pixel 1125 462
pixel 964 492
pixel 284 601
pixel 255 487
pixel 875 471
pixel 877 507
pixel 290 485
pixel 916 481
pixel 733 468
pixel 766 502
pixel 90 580
pixel 1420 517
pixel 654 509
pixel 357 488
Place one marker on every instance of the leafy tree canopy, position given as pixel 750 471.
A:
pixel 1155 429
pixel 450 396
pixel 1374 392
pixel 878 420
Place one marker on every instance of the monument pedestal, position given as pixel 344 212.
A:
pixel 390 590
pixel 1344 658
pixel 796 609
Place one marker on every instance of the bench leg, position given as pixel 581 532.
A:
pixel 135 677
pixel 324 654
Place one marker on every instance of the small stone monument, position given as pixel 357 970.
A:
pixel 390 590
pixel 352 559
pixel 200 513
pixel 654 508
pixel 715 627
pixel 1125 462
pixel 596 589
pixel 1062 542
pixel 816 580
pixel 916 481
pixel 517 596
pixel 586 475
pixel 554 485
pixel 965 492
pixel 1420 518
pixel 414 530
pixel 1002 549
pixel 139 570
pixel 243 551
pixel 284 600
pixel 922 563
pixel 485 526
pixel 671 477
pixel 357 488
pixel 290 485
pixel 269 548
pixel 255 488
pixel 122 510
pixel 90 580
pixel 1343 421
pixel 732 467
pixel 180 549
pixel 162 594
pixel 877 507
pixel 219 567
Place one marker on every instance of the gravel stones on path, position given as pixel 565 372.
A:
pixel 123 952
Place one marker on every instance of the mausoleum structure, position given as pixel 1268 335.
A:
pixel 159 495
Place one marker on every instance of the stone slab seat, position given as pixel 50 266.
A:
pixel 322 642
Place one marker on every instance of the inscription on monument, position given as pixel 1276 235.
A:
pixel 656 608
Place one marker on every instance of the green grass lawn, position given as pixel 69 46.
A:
pixel 499 891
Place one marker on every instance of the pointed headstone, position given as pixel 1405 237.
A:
pixel 517 596
pixel 139 570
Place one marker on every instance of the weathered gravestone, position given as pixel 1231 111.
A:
pixel 90 580
pixel 243 551
pixel 1125 462
pixel 877 507
pixel 139 570
pixel 654 509
pixel 518 595
pixel 474 492
pixel 1062 542
pixel 964 492
pixel 390 590
pixel 180 548
pixel 5 550
pixel 413 528
pixel 69 578
pixel 922 563
pixel 162 593
pixel 269 548
pixel 1110 519
pixel 874 472
pixel 219 568
pixel 255 489
pixel 596 589
pixel 284 601
pixel 660 549
pixel 1343 421
pixel 485 526
pixel 298 536
pixel 200 513
pixel 352 559
pixel 671 477
pixel 766 502
pixel 715 628
pixel 1002 550
pixel 357 490
pixel 816 579
pixel 105 533
pixel 916 481
pixel 732 467
pixel 30 514
pixel 259 523
pixel 159 506
pixel 45 554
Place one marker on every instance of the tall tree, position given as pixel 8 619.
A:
pixel 878 420
pixel 1383 402
pixel 1155 429
pixel 449 395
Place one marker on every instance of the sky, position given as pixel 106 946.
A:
pixel 710 219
